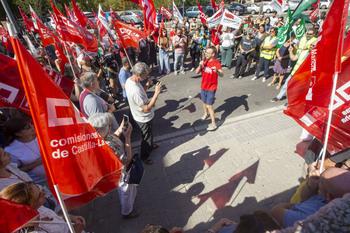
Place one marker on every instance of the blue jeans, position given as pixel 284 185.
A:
pixel 263 63
pixel 179 57
pixel 164 59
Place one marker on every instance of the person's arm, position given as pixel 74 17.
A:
pixel 292 54
pixel 127 143
pixel 312 184
pixel 199 68
pixel 58 65
pixel 100 72
pixel 148 107
pixel 219 225
pixel 32 165
pixel 219 72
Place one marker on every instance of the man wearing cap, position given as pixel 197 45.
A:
pixel 246 47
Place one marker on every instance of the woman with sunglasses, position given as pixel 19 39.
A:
pixel 24 148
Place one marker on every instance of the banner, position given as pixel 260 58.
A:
pixel 5 39
pixel 165 12
pixel 13 215
pixel 128 35
pixel 11 88
pixel 278 5
pixel 75 157
pixel 300 30
pixel 177 13
pixel 230 20
pixel 47 37
pixel 29 24
pixel 314 13
pixel 309 90
pixel 202 15
pixel 284 34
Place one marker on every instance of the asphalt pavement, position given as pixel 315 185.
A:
pixel 198 176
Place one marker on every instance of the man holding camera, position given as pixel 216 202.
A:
pixel 142 108
pixel 246 47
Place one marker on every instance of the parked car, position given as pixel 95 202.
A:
pixel 90 16
pixel 267 8
pixel 193 12
pixel 132 16
pixel 324 4
pixel 252 8
pixel 293 4
pixel 208 11
pixel 240 9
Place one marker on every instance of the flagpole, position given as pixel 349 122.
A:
pixel 124 9
pixel 64 209
pixel 335 81
pixel 127 55
pixel 70 63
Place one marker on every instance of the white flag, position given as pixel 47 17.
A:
pixel 225 18
pixel 177 13
pixel 278 5
pixel 215 19
pixel 103 20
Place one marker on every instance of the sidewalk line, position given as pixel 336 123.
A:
pixel 200 128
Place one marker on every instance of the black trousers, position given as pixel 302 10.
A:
pixel 147 139
pixel 241 65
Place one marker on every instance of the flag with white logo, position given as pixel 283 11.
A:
pixel 278 5
pixel 177 13
pixel 75 157
pixel 300 30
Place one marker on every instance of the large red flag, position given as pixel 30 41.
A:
pixel 202 15
pixel 149 15
pixel 47 37
pixel 29 24
pixel 128 35
pixel 213 4
pixel 165 12
pixel 309 90
pixel 72 32
pixel 11 88
pixel 5 38
pixel 75 157
pixel 13 215
pixel 82 20
pixel 102 30
pixel 314 13
pixel 70 14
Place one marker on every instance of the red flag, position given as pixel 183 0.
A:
pixel 309 93
pixel 113 14
pixel 314 13
pixel 34 17
pixel 222 4
pixel 5 38
pixel 11 88
pixel 213 4
pixel 70 148
pixel 132 23
pixel 62 59
pixel 165 12
pixel 29 24
pixel 161 26
pixel 346 46
pixel 128 35
pixel 13 215
pixel 149 15
pixel 70 15
pixel 102 30
pixel 101 16
pixel 47 37
pixel 72 32
pixel 202 15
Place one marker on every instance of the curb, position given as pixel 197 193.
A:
pixel 200 128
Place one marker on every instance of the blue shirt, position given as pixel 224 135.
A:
pixel 123 76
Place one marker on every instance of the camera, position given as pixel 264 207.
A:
pixel 155 81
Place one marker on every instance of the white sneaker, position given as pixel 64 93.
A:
pixel 233 76
pixel 192 69
pixel 212 127
pixel 175 72
pixel 240 77
pixel 263 80
pixel 254 78
pixel 182 72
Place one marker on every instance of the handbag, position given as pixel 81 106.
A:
pixel 134 171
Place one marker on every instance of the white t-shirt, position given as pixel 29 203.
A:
pixel 24 154
pixel 228 39
pixel 137 97
pixel 16 176
pixel 273 21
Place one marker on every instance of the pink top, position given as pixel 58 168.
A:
pixel 181 47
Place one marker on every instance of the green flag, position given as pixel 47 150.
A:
pixel 300 30
pixel 303 6
pixel 283 34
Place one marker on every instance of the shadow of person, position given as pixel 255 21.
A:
pixel 231 104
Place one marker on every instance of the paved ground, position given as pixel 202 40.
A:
pixel 199 177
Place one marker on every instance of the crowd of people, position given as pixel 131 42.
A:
pixel 116 75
